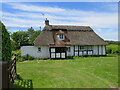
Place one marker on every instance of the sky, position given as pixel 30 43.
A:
pixel 102 17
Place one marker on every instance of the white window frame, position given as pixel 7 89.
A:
pixel 61 36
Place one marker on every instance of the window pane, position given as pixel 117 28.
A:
pixel 62 55
pixel 76 53
pixel 52 49
pixel 61 37
pixel 52 55
pixel 58 55
pixel 39 49
pixel 80 53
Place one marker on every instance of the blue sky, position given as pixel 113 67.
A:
pixel 101 16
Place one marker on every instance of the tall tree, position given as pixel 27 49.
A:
pixel 6 43
pixel 30 31
pixel 20 38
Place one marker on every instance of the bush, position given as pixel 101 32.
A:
pixel 27 57
pixel 17 53
pixel 112 49
pixel 69 57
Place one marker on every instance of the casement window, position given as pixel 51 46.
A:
pixel 39 49
pixel 61 37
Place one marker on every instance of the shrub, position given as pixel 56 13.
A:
pixel 70 57
pixel 112 49
pixel 27 57
pixel 17 53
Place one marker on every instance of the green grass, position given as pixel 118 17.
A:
pixel 80 72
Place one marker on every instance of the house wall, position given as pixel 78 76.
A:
pixel 97 50
pixel 71 53
pixel 33 51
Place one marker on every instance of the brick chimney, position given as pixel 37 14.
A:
pixel 46 22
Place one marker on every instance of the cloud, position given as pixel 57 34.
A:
pixel 61 16
pixel 36 8
pixel 30 15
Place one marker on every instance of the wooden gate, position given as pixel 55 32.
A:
pixel 12 71
pixel 8 73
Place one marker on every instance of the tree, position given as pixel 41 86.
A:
pixel 30 31
pixel 20 38
pixel 34 36
pixel 6 43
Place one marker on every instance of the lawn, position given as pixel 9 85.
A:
pixel 80 72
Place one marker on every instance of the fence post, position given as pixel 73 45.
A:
pixel 5 75
pixel 15 63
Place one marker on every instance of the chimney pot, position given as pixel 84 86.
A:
pixel 46 22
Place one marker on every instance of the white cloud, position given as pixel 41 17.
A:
pixel 94 19
pixel 60 16
pixel 36 8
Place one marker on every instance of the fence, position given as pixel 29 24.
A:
pixel 12 71
pixel 8 73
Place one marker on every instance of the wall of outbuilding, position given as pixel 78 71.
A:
pixel 33 51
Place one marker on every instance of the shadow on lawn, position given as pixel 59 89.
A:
pixel 23 83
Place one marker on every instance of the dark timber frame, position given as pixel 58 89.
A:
pixel 98 49
pixel 79 49
pixel 60 50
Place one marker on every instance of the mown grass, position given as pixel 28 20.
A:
pixel 80 72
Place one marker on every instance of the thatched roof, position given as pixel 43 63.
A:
pixel 74 35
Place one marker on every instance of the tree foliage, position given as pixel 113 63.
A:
pixel 113 42
pixel 19 38
pixel 6 43
pixel 22 38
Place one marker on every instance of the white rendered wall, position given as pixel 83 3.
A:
pixel 97 50
pixel 104 50
pixel 33 51
pixel 71 53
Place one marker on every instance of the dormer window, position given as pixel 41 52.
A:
pixel 61 36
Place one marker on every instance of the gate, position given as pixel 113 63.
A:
pixel 8 73
pixel 12 71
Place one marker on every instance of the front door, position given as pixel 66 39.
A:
pixel 58 52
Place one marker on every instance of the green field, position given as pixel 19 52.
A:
pixel 80 72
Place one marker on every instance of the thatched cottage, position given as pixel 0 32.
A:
pixel 60 41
